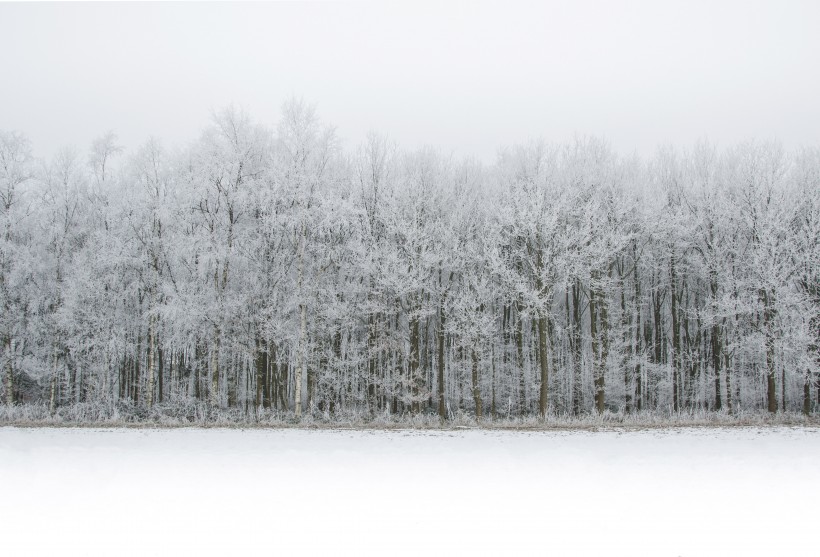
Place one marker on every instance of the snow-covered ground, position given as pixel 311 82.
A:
pixel 273 492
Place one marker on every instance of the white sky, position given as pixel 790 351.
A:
pixel 465 76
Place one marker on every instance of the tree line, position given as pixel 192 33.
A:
pixel 266 269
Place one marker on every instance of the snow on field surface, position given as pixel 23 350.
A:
pixel 274 492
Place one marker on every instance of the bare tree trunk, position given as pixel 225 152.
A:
pixel 337 355
pixel 505 343
pixel 413 364
pixel 675 336
pixel 194 369
pixel 543 354
pixel 261 365
pixel 771 391
pixel 122 378
pixel 476 386
pixel 160 370
pixel 493 407
pixel 72 386
pixel 771 388
pixel 717 344
pixel 603 310
pixel 174 370
pixel 783 388
pixel 310 370
pixel 135 380
pixel 214 392
pixel 151 367
pixel 658 339
pixel 685 360
pixel 442 410
pixel 814 351
pixel 597 375
pixel 727 373
pixel 807 393
pixel 284 383
pixel 52 397
pixel 716 361
pixel 519 341
pixel 301 362
pixel 232 380
pixel 372 362
pixel 626 361
pixel 9 372
pixel 638 347
pixel 274 384
pixel 577 349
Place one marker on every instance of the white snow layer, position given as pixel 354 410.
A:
pixel 275 492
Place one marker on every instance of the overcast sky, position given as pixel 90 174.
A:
pixel 466 77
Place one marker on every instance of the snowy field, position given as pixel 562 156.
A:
pixel 275 492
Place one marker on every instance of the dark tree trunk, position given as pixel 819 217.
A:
pixel 442 409
pixel 543 356
pixel 626 328
pixel 807 394
pixel 771 389
pixel 372 360
pixel 476 386
pixel 9 371
pixel 519 342
pixel 577 348
pixel 638 348
pixel 261 365
pixel 160 371
pixel 594 339
pixel 135 380
pixel 413 363
pixel 717 345
pixel 284 383
pixel 675 337
pixel 603 309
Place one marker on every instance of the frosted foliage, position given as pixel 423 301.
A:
pixel 264 271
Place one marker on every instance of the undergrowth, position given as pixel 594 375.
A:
pixel 190 413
